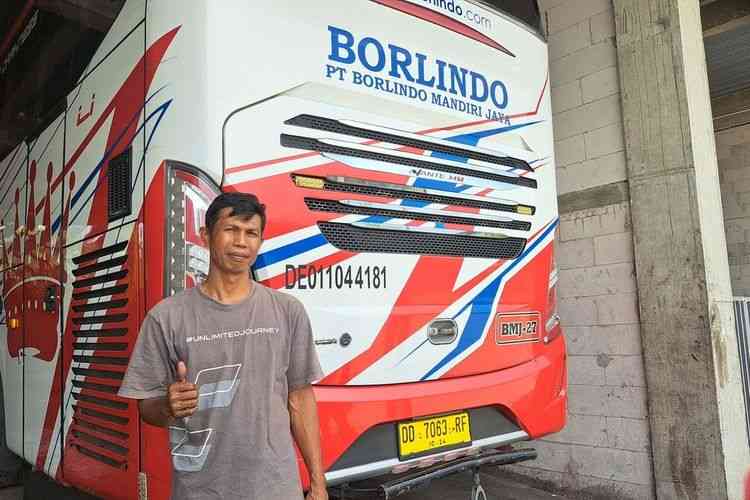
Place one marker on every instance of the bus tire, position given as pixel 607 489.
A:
pixel 10 463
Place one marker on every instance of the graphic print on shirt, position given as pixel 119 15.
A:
pixel 189 448
pixel 217 386
pixel 216 389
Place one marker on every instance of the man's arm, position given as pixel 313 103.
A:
pixel 181 401
pixel 155 411
pixel 303 411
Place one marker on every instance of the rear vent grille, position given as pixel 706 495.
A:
pixel 85 424
pixel 95 320
pixel 294 141
pixel 101 353
pixel 102 332
pixel 102 415
pixel 119 178
pixel 445 217
pixel 101 306
pixel 100 292
pixel 103 278
pixel 117 247
pixel 108 445
pixel 101 360
pixel 81 384
pixel 105 264
pixel 108 403
pixel 118 464
pixel 397 137
pixel 380 240
pixel 90 372
pixel 453 175
pixel 396 191
pixel 100 346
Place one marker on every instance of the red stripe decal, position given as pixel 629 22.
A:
pixel 240 168
pixel 431 282
pixel 126 102
pixel 444 21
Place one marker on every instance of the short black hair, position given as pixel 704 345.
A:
pixel 242 204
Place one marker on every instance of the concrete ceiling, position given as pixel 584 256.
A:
pixel 726 37
pixel 72 24
pixel 728 60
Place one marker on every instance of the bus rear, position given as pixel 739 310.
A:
pixel 405 152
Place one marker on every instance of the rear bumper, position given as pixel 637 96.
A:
pixel 409 482
pixel 532 395
pixel 446 459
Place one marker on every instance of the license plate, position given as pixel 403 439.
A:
pixel 433 434
pixel 516 328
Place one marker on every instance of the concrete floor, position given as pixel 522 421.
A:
pixel 12 493
pixel 454 488
pixel 458 487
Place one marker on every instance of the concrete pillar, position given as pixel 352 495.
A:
pixel 699 442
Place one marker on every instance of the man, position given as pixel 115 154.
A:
pixel 227 366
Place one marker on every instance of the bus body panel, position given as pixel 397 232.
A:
pixel 13 181
pixel 42 276
pixel 198 95
pixel 388 326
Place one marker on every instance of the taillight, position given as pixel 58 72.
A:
pixel 552 325
pixel 188 195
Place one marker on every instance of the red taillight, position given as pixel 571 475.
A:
pixel 552 328
pixel 188 197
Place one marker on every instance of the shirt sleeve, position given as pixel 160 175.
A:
pixel 150 370
pixel 304 366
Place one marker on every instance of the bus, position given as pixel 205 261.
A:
pixel 404 151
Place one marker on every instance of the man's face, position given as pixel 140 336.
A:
pixel 234 242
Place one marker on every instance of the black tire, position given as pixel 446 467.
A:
pixel 10 463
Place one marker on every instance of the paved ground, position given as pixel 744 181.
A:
pixel 11 494
pixel 454 488
pixel 458 487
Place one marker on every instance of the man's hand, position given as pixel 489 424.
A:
pixel 182 396
pixel 303 411
pixel 181 401
pixel 317 493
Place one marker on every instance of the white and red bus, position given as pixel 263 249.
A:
pixel 404 150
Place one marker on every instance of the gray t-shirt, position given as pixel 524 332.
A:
pixel 245 358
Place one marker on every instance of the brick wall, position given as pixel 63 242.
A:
pixel 733 151
pixel 604 449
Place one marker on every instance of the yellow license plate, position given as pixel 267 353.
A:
pixel 431 434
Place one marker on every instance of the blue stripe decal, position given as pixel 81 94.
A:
pixel 74 200
pixel 451 187
pixel 290 250
pixel 480 312
pixel 99 165
pixel 469 139
pixel 481 306
pixel 420 183
pixel 376 219
pixel 473 138
pixel 161 110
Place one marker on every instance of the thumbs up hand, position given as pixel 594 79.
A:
pixel 182 396
pixel 181 371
